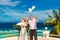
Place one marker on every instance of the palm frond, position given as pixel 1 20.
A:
pixel 49 15
pixel 59 13
pixel 59 10
pixel 55 14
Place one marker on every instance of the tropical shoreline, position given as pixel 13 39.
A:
pixel 39 38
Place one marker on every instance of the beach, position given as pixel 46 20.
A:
pixel 11 34
pixel 39 38
pixel 14 36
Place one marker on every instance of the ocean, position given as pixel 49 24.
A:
pixel 7 29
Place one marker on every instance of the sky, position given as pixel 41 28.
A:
pixel 15 10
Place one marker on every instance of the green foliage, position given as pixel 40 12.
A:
pixel 54 21
pixel 27 27
pixel 57 28
pixel 17 27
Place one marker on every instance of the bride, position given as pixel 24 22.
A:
pixel 23 32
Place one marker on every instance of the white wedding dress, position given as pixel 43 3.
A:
pixel 23 32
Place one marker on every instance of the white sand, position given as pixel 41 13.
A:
pixel 9 38
pixel 39 38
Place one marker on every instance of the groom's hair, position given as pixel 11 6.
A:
pixel 31 15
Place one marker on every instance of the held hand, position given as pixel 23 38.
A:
pixel 23 25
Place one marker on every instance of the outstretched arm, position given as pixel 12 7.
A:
pixel 36 19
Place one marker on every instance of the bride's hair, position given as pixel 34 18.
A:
pixel 25 19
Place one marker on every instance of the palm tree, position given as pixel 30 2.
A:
pixel 54 21
pixel 18 29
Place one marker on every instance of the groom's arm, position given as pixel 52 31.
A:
pixel 36 19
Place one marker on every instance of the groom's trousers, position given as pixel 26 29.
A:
pixel 33 33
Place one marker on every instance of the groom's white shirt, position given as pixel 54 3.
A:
pixel 32 24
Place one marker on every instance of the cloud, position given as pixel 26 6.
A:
pixel 16 15
pixel 24 6
pixel 42 14
pixel 8 3
pixel 11 15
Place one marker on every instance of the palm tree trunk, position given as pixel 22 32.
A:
pixel 18 34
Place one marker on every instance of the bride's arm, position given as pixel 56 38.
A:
pixel 27 22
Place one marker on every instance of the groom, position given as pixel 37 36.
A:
pixel 32 23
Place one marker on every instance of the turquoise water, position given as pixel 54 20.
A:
pixel 7 30
pixel 10 33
